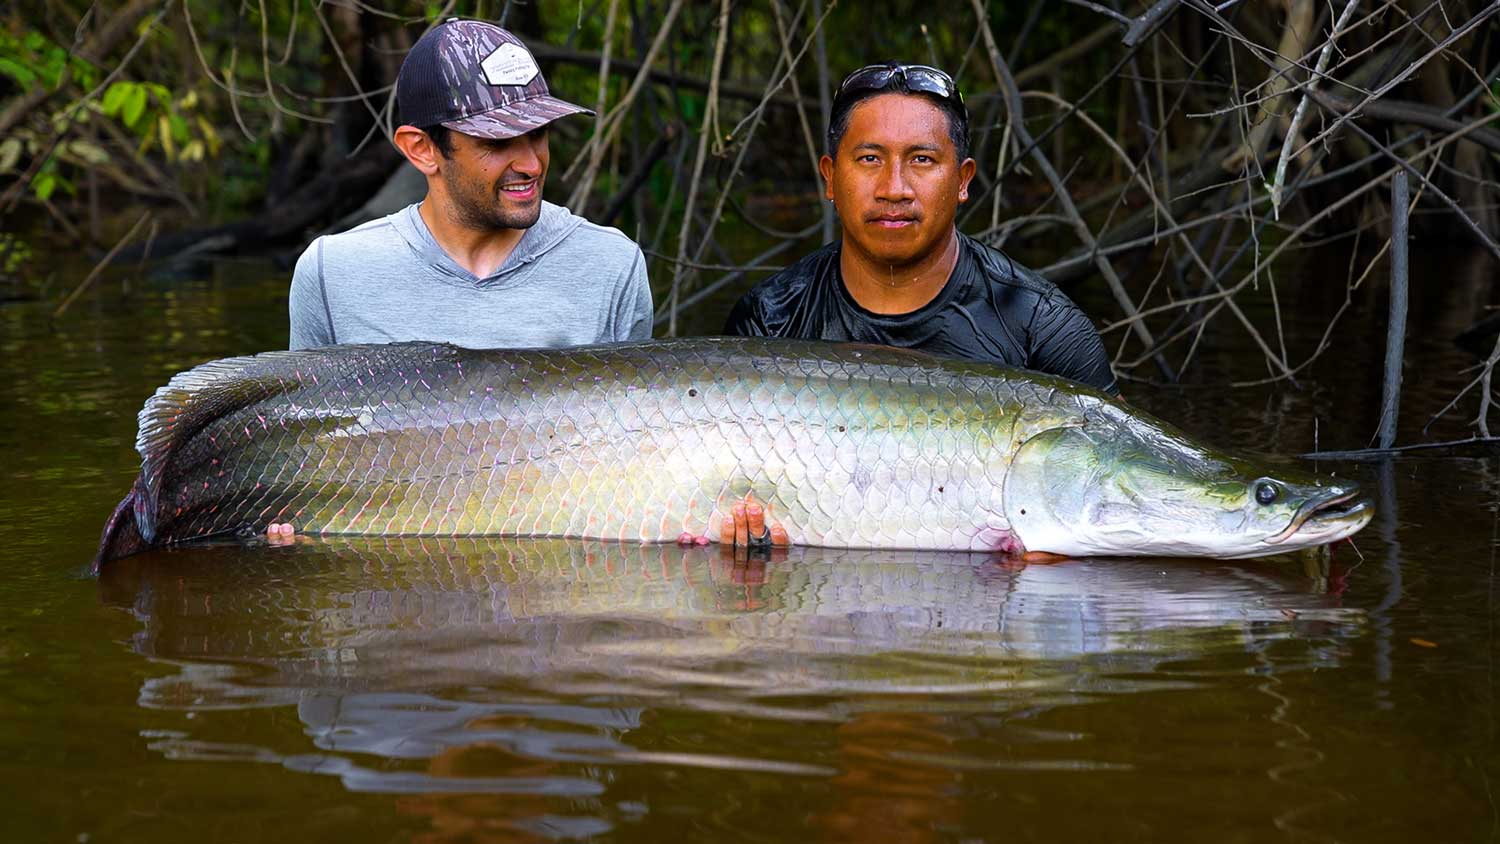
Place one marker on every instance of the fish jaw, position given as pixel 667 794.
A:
pixel 1338 515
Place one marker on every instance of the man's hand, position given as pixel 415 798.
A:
pixel 745 527
pixel 280 534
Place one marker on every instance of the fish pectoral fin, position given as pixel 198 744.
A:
pixel 1043 557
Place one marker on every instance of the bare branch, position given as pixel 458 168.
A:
pixel 1291 132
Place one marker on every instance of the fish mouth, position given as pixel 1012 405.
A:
pixel 1328 518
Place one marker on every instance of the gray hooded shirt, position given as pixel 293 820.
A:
pixel 568 282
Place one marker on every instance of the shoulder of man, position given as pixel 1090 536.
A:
pixel 378 229
pixel 604 245
pixel 360 243
pixel 590 263
pixel 1061 338
pixel 1000 268
pixel 766 307
pixel 594 260
pixel 1048 300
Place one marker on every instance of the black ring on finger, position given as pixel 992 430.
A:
pixel 760 543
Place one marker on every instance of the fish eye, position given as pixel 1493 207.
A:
pixel 1266 492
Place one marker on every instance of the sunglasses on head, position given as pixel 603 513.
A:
pixel 918 77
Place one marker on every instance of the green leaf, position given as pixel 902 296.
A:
pixel 179 129
pixel 54 75
pixel 86 74
pixel 164 132
pixel 210 136
pixel 44 185
pixel 10 154
pixel 135 106
pixel 114 98
pixel 16 250
pixel 87 151
pixel 17 71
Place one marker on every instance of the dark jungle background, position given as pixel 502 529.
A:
pixel 1166 163
pixel 1217 182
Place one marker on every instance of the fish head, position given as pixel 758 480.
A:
pixel 1126 484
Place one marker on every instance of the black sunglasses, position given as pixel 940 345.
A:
pixel 918 77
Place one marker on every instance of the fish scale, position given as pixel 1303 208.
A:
pixel 849 446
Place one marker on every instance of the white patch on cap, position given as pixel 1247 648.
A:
pixel 510 64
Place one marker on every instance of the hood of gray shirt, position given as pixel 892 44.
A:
pixel 554 224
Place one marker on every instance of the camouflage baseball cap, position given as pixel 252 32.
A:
pixel 478 79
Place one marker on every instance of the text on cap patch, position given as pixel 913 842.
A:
pixel 510 64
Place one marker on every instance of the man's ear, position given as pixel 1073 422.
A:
pixel 965 176
pixel 418 149
pixel 825 169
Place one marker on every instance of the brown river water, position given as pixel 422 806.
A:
pixel 501 690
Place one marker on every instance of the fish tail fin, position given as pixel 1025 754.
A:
pixel 122 536
pixel 192 400
pixel 195 399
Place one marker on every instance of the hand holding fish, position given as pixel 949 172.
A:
pixel 746 527
pixel 280 534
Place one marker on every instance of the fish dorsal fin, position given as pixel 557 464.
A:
pixel 189 402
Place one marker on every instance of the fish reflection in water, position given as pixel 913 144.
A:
pixel 516 666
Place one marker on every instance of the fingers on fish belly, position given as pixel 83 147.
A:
pixel 748 523
pixel 1009 545
pixel 1000 541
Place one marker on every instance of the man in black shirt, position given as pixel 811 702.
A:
pixel 897 169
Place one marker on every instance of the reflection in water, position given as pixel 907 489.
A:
pixel 444 668
pixel 1143 701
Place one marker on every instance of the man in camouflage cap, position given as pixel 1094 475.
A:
pixel 482 261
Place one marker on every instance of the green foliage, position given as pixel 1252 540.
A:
pixel 157 117
pixel 126 100
pixel 14 253
pixel 148 110
pixel 47 181
pixel 33 59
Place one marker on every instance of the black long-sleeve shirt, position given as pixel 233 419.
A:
pixel 992 309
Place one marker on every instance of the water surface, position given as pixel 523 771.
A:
pixel 506 690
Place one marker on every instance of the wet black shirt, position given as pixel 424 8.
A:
pixel 992 309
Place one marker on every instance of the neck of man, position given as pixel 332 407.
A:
pixel 481 251
pixel 884 288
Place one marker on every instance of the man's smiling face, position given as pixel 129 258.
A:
pixel 497 184
pixel 896 180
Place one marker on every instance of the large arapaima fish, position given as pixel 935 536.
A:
pixel 849 446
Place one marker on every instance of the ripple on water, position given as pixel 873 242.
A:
pixel 475 665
